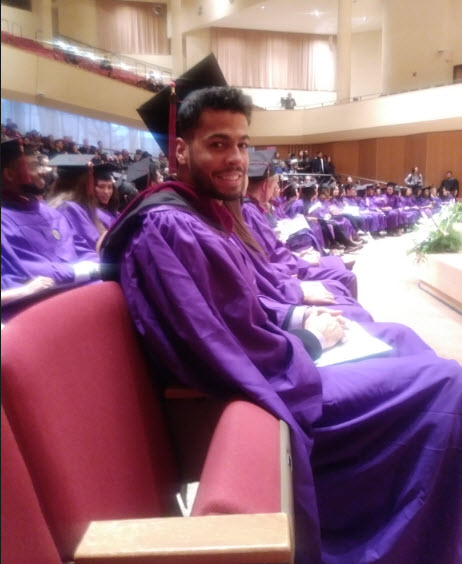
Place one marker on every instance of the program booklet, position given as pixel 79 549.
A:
pixel 356 345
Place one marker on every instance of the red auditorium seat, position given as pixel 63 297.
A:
pixel 25 535
pixel 98 447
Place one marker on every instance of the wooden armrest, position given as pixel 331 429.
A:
pixel 228 539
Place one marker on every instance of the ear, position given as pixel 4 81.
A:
pixel 182 152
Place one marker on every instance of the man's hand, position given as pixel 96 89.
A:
pixel 35 285
pixel 328 324
pixel 314 293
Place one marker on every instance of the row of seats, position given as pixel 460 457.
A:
pixel 94 452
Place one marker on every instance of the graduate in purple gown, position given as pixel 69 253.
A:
pixel 389 204
pixel 262 182
pixel 370 205
pixel 74 196
pixel 292 207
pixel 36 241
pixel 348 207
pixel 424 202
pixel 336 230
pixel 409 207
pixel 107 199
pixel 376 443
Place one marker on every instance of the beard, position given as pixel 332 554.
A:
pixel 205 185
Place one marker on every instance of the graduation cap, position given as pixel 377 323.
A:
pixel 70 163
pixel 138 170
pixel 11 150
pixel 105 171
pixel 260 165
pixel 159 113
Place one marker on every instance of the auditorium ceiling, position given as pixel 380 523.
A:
pixel 304 16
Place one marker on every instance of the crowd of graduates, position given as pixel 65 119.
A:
pixel 343 213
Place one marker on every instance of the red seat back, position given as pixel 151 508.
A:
pixel 25 535
pixel 84 412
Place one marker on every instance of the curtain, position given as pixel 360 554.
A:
pixel 132 27
pixel 47 121
pixel 262 59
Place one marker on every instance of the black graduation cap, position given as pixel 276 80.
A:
pixel 104 171
pixel 70 163
pixel 138 169
pixel 156 112
pixel 11 150
pixel 260 165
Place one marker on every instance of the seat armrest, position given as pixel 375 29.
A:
pixel 247 469
pixel 228 539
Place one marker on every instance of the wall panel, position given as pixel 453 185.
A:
pixel 444 152
pixel 368 158
pixel 415 153
pixel 390 159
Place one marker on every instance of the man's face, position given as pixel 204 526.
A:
pixel 35 172
pixel 390 190
pixel 215 159
pixel 16 176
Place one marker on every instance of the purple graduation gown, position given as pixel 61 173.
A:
pixel 411 216
pixel 386 431
pixel 371 209
pixel 330 268
pixel 296 207
pixel 80 220
pixel 38 241
pixel 107 217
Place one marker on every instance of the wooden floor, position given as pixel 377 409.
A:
pixel 388 281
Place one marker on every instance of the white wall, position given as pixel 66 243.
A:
pixel 366 63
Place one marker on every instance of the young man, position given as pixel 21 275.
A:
pixel 37 241
pixel 376 442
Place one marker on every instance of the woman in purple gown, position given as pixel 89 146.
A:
pixel 74 196
pixel 409 207
pixel 107 198
pixel 424 202
pixel 389 204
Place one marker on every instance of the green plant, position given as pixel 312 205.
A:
pixel 441 233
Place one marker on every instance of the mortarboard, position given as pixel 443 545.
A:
pixel 104 171
pixel 260 165
pixel 138 170
pixel 159 113
pixel 69 163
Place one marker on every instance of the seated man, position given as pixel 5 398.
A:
pixel 37 242
pixel 376 442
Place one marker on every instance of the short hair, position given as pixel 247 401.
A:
pixel 308 191
pixel 218 98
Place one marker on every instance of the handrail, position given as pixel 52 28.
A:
pixel 129 61
pixel 287 175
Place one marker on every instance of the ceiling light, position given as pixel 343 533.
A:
pixel 262 7
pixel 364 18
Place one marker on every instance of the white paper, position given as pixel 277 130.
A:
pixel 356 345
pixel 287 227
